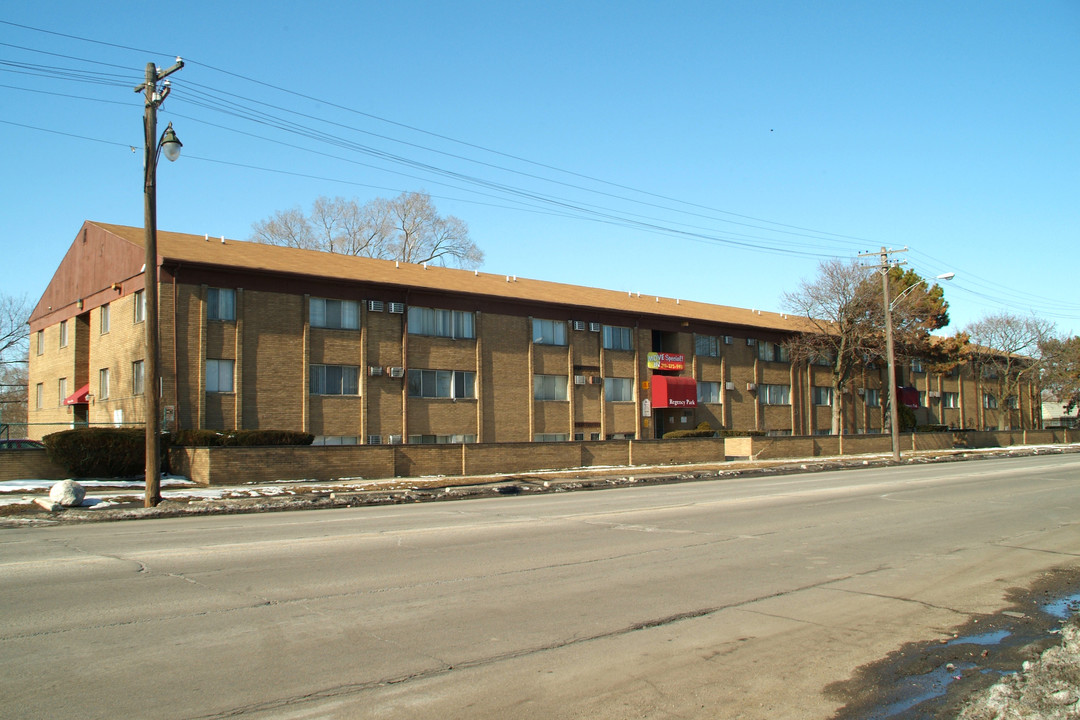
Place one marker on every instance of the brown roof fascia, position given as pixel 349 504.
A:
pixel 418 282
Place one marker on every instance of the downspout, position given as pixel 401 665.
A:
pixel 176 352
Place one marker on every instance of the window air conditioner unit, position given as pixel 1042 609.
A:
pixel 375 305
pixel 751 341
pixel 393 440
pixel 596 380
pixel 934 394
pixel 579 380
pixel 398 308
pixel 374 439
pixel 728 340
pixel 594 327
pixel 729 385
pixel 860 391
pixel 374 370
pixel 751 386
pixel 396 372
pixel 578 324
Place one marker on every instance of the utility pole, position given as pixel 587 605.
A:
pixel 155 95
pixel 894 415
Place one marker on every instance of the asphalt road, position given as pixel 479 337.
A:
pixel 735 598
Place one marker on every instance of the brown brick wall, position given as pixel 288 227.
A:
pixel 29 465
pixel 273 348
pixel 505 384
pixel 275 382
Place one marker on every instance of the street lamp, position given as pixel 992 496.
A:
pixel 170 145
pixel 894 414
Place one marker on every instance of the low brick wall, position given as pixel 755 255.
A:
pixel 29 464
pixel 231 465
pixel 675 452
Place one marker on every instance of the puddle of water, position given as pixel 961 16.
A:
pixel 987 638
pixel 1063 607
pixel 919 689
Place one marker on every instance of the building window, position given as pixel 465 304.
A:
pixel 441 323
pixel 221 304
pixel 706 346
pixel 140 305
pixel 103 383
pixel 219 376
pixel 334 314
pixel 549 332
pixel 40 342
pixel 441 439
pixel 335 380
pixel 454 384
pixel 105 318
pixel 137 378
pixel 63 333
pixel 774 394
pixel 61 389
pixel 917 365
pixel 872 397
pixel 821 359
pixel 772 352
pixel 990 401
pixel 1010 402
pixel 550 387
pixel 821 395
pixel 617 338
pixel 618 389
pixel 335 440
pixel 551 437
pixel 39 396
pixel 708 392
pixel 950 400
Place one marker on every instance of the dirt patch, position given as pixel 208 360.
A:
pixel 940 679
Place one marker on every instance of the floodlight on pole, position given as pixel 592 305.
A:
pixel 894 413
pixel 170 145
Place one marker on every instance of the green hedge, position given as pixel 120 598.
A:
pixel 121 452
pixel 699 432
pixel 238 438
pixel 99 451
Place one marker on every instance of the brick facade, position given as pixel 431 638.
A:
pixel 272 349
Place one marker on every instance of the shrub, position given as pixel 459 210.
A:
pixel 238 438
pixel 99 451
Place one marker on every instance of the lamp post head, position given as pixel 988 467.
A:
pixel 946 276
pixel 170 144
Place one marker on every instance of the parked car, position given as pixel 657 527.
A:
pixel 20 444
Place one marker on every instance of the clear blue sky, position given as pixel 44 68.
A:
pixel 713 151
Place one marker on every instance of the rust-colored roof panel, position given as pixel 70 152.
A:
pixel 275 259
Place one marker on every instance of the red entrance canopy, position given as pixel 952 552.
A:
pixel 909 396
pixel 79 397
pixel 673 392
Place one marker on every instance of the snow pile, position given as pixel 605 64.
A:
pixel 1047 689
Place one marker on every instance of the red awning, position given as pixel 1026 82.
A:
pixel 79 397
pixel 673 392
pixel 909 396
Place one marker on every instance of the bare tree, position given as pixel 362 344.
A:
pixel 286 227
pixel 14 348
pixel 1005 350
pixel 838 306
pixel 406 228
pixel 1061 371
pixel 844 309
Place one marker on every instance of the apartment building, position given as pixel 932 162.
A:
pixel 364 351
